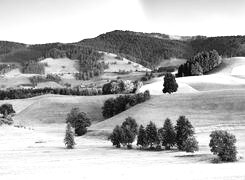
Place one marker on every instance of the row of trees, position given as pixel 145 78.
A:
pixel 180 136
pixel 200 64
pixel 49 77
pixel 113 106
pixel 28 93
pixel 168 136
pixel 121 87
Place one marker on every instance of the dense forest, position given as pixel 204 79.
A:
pixel 143 48
pixel 147 49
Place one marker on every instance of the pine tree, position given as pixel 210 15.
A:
pixel 130 129
pixel 184 129
pixel 167 134
pixel 152 134
pixel 142 137
pixel 170 84
pixel 69 137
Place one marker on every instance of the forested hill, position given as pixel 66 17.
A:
pixel 147 49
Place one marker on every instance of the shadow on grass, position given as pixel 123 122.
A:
pixel 197 157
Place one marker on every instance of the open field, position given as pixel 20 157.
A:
pixel 210 102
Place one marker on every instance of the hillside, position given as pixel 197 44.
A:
pixel 208 101
pixel 48 109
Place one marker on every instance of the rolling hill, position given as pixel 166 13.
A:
pixel 50 109
pixel 209 101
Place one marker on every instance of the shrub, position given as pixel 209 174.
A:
pixel 6 109
pixel 170 84
pixel 69 137
pixel 121 86
pixel 167 134
pixel 222 143
pixel 184 129
pixel 79 121
pixel 190 144
pixel 142 138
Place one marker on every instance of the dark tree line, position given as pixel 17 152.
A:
pixel 113 106
pixel 28 93
pixel 150 137
pixel 200 64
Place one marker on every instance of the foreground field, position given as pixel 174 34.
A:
pixel 40 154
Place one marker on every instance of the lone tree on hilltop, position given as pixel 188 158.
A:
pixel 222 143
pixel 142 137
pixel 184 129
pixel 79 120
pixel 170 85
pixel 167 134
pixel 6 109
pixel 69 137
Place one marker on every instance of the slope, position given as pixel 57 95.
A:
pixel 205 110
pixel 53 108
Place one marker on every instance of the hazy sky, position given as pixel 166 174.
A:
pixel 40 21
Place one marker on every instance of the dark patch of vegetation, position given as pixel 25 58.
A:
pixel 79 121
pixel 201 63
pixel 33 67
pixel 222 144
pixel 114 106
pixel 39 79
pixel 6 109
pixel 28 93
pixel 142 48
pixel 7 112
pixel 121 87
pixel 170 85
pixel 124 134
pixel 4 68
pixel 152 138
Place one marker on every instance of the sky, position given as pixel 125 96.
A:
pixel 44 21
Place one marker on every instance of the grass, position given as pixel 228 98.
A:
pixel 48 109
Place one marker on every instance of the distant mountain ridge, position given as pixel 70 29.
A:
pixel 147 49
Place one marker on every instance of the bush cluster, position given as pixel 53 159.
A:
pixel 28 93
pixel 150 137
pixel 113 106
pixel 79 121
pixel 200 64
pixel 121 87
pixel 7 111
